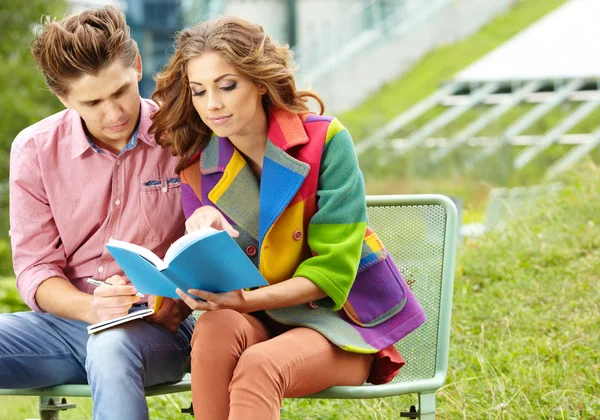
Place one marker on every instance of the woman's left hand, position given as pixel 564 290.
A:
pixel 236 300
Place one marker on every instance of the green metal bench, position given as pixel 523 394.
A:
pixel 420 232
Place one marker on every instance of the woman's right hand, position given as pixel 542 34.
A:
pixel 208 216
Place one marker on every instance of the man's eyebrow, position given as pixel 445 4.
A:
pixel 121 88
pixel 216 80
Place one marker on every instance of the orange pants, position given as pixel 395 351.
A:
pixel 240 371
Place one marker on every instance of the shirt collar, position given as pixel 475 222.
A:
pixel 80 141
pixel 130 144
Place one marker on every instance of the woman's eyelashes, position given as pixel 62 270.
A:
pixel 229 87
pixel 225 88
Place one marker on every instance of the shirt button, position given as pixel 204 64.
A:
pixel 118 163
pixel 251 251
pixel 100 269
pixel 117 202
pixel 297 235
pixel 165 189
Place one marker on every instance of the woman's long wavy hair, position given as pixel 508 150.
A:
pixel 243 45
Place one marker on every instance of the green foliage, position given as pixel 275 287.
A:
pixel 24 98
pixel 10 300
pixel 5 258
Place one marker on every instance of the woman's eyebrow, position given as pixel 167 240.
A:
pixel 214 81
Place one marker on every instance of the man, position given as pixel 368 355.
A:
pixel 78 178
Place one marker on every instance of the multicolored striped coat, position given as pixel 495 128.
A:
pixel 308 218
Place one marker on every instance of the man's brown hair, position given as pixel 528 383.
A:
pixel 82 44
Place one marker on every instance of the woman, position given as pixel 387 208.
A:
pixel 285 183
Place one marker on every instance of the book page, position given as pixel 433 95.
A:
pixel 99 326
pixel 140 250
pixel 186 240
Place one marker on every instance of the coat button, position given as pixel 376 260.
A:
pixel 251 251
pixel 297 235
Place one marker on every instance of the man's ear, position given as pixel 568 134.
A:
pixel 138 67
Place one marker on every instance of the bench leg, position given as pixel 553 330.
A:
pixel 50 407
pixel 427 406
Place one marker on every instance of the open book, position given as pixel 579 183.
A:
pixel 206 259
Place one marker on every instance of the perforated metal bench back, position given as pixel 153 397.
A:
pixel 420 233
pixel 414 234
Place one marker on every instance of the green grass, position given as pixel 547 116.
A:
pixel 525 324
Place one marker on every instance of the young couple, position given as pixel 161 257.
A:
pixel 249 158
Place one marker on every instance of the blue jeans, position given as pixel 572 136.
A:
pixel 39 350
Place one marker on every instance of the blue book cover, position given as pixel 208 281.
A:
pixel 206 259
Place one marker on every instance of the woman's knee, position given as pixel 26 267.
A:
pixel 257 366
pixel 216 330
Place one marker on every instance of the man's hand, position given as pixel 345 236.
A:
pixel 170 313
pixel 113 300
pixel 208 216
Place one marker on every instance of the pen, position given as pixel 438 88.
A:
pixel 102 283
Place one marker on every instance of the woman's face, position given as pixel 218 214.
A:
pixel 227 101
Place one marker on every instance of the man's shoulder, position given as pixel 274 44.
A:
pixel 150 104
pixel 149 107
pixel 44 129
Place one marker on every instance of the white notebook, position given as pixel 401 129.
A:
pixel 99 326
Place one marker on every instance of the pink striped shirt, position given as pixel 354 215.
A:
pixel 67 200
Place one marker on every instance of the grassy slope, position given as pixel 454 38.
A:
pixel 424 78
pixel 440 65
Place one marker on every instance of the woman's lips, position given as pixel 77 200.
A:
pixel 220 120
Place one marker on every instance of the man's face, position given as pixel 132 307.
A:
pixel 108 103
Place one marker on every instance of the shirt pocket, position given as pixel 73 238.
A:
pixel 161 216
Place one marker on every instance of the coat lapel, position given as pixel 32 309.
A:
pixel 282 177
pixel 230 185
pixel 236 191
pixel 282 174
